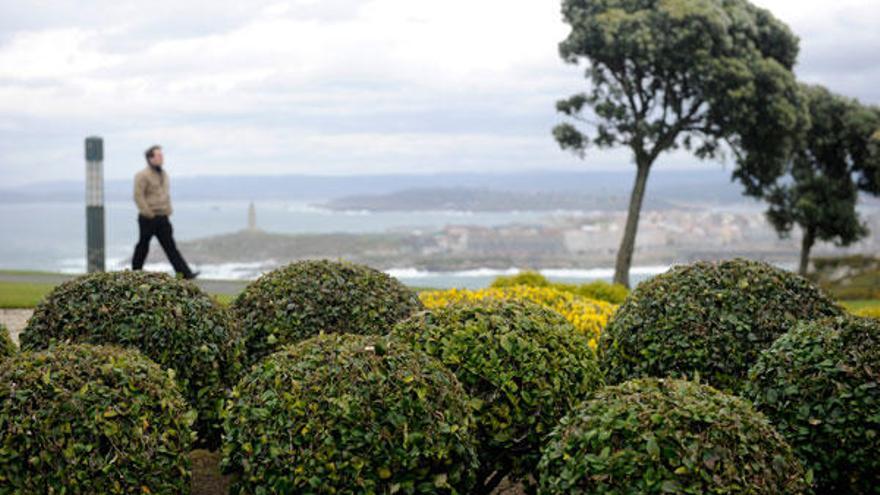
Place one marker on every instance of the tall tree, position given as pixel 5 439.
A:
pixel 705 75
pixel 837 157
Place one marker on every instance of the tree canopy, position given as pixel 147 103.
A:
pixel 705 75
pixel 836 157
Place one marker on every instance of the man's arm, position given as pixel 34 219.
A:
pixel 140 199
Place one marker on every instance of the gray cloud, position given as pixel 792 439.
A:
pixel 853 70
pixel 336 86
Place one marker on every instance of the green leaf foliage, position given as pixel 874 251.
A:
pixel 169 320
pixel 697 74
pixel 7 346
pixel 598 289
pixel 820 193
pixel 524 365
pixel 530 278
pixel 820 386
pixel 349 414
pixel 667 436
pixel 307 298
pixel 83 420
pixel 706 319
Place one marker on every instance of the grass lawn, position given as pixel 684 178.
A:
pixel 36 273
pixel 22 295
pixel 26 295
pixel 15 294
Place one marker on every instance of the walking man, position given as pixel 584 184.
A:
pixel 151 194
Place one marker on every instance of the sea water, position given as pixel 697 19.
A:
pixel 50 236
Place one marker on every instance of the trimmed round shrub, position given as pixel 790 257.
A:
pixel 349 414
pixel 170 321
pixel 82 419
pixel 667 436
pixel 820 386
pixel 530 278
pixel 307 298
pixel 603 291
pixel 706 319
pixel 524 365
pixel 7 346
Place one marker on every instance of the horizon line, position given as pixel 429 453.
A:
pixel 524 172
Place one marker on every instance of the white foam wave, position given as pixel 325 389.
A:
pixel 552 273
pixel 252 270
pixel 221 271
pixel 601 273
pixel 479 272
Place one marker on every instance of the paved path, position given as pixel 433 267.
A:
pixel 15 320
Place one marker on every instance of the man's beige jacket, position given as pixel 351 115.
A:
pixel 151 192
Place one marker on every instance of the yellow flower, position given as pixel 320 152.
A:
pixel 588 316
pixel 868 312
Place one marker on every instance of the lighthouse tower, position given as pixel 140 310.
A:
pixel 252 218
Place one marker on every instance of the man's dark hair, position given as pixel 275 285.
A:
pixel 149 153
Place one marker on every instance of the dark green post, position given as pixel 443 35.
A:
pixel 95 204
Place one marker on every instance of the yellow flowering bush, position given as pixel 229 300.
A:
pixel 599 290
pixel 868 312
pixel 587 315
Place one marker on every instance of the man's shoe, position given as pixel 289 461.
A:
pixel 192 275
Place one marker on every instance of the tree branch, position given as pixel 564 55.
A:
pixel 668 137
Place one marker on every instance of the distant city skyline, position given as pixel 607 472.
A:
pixel 328 86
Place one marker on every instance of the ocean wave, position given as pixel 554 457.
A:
pixel 551 273
pixel 209 271
pixel 601 273
pixel 222 271
pixel 478 272
pixel 465 278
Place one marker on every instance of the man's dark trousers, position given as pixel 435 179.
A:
pixel 160 227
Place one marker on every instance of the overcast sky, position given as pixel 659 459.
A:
pixel 327 86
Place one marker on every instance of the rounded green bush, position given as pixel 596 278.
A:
pixel 530 278
pixel 307 298
pixel 170 321
pixel 820 386
pixel 667 436
pixel 524 365
pixel 82 419
pixel 706 319
pixel 7 346
pixel 603 291
pixel 349 414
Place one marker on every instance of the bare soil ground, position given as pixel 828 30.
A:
pixel 207 479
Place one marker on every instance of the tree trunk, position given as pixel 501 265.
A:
pixel 806 244
pixel 628 244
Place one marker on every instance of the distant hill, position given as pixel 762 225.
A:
pixel 709 184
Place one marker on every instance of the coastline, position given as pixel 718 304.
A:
pixel 469 278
